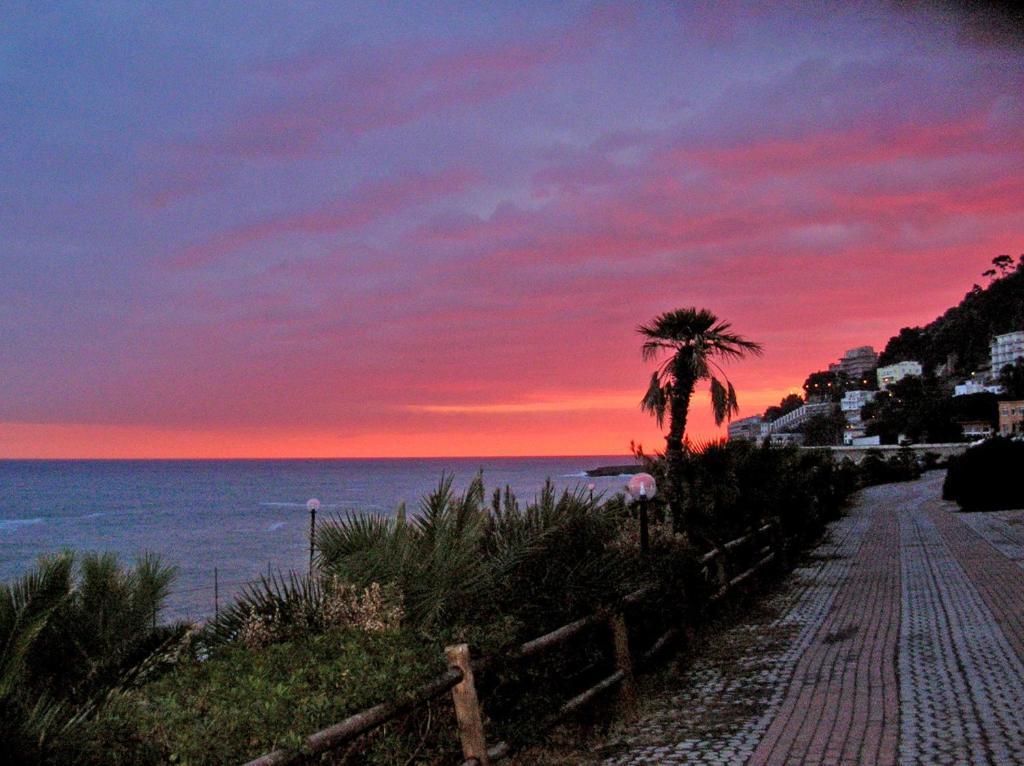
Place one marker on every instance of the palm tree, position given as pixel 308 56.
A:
pixel 692 340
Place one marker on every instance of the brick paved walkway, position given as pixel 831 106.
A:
pixel 901 642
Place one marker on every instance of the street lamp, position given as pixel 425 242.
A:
pixel 591 487
pixel 642 487
pixel 313 505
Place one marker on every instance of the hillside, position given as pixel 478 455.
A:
pixel 962 334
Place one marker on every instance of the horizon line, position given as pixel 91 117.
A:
pixel 334 457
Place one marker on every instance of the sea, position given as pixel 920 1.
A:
pixel 223 524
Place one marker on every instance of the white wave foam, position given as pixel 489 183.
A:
pixel 276 526
pixel 13 523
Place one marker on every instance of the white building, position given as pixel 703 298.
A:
pixel 1006 349
pixel 893 372
pixel 799 416
pixel 747 429
pixel 861 441
pixel 850 406
pixel 977 429
pixel 977 387
pixel 853 401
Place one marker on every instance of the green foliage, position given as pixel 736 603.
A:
pixel 732 486
pixel 461 563
pixel 71 636
pixel 962 333
pixel 918 408
pixel 876 468
pixel 826 386
pixel 295 654
pixel 824 430
pixel 1012 379
pixel 241 702
pixel 987 477
pixel 433 559
pixel 789 403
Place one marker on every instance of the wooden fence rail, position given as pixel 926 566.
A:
pixel 459 679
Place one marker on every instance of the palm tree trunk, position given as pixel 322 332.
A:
pixel 675 464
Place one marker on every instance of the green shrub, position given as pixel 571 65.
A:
pixel 730 487
pixel 877 469
pixel 987 477
pixel 242 702
pixel 72 632
pixel 461 563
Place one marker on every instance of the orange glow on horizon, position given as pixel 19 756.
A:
pixel 590 426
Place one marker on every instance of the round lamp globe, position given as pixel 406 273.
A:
pixel 641 485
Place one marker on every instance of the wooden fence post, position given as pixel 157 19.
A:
pixel 723 571
pixel 779 542
pixel 623 662
pixel 467 706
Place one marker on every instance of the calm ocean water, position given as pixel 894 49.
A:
pixel 240 516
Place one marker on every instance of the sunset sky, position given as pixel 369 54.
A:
pixel 345 229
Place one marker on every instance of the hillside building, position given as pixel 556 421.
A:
pixel 856 363
pixel 786 439
pixel 1006 349
pixel 892 373
pixel 977 429
pixel 851 405
pixel 969 387
pixel 746 429
pixel 1011 417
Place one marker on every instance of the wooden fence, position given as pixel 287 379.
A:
pixel 765 543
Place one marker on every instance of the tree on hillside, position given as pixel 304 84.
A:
pixel 692 342
pixel 789 403
pixel 909 343
pixel 824 430
pixel 1012 379
pixel 826 386
pixel 963 332
pixel 918 408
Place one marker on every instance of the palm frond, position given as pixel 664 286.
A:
pixel 655 401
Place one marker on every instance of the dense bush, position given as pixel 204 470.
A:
pixel 243 701
pixel 877 469
pixel 987 477
pixel 461 562
pixel 732 486
pixel 71 633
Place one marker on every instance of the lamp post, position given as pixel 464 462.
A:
pixel 642 488
pixel 312 504
pixel 591 487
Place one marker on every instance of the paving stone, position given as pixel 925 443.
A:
pixel 902 643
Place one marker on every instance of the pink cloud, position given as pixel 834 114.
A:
pixel 351 92
pixel 367 203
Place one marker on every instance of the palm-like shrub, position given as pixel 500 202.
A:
pixel 730 487
pixel 69 636
pixel 557 558
pixel 433 559
pixel 459 562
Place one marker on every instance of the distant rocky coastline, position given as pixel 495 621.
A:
pixel 616 470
